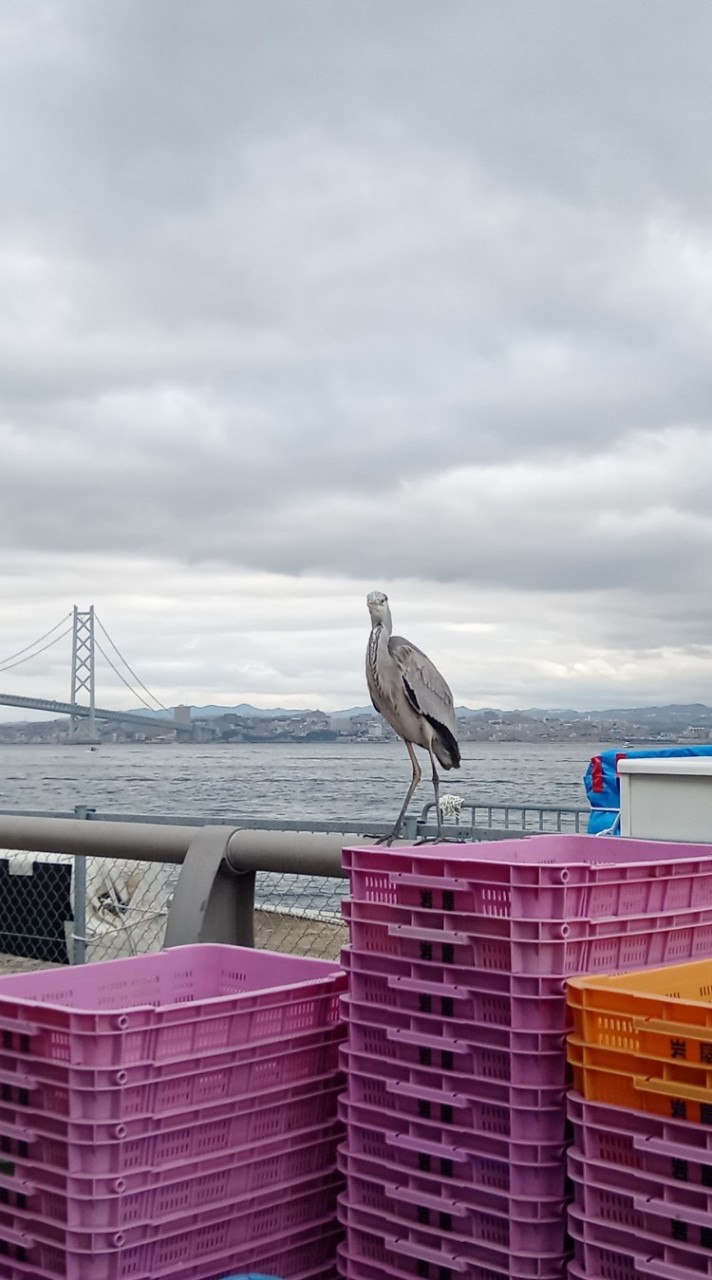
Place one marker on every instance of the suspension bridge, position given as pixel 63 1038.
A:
pixel 83 625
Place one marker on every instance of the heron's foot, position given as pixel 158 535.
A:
pixel 437 840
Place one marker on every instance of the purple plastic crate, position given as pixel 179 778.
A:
pixel 114 1255
pixel 307 1254
pixel 111 1093
pixel 647 945
pixel 175 1004
pixel 114 1149
pixel 117 1203
pixel 430 1245
pixel 366 1177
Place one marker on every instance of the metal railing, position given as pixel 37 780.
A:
pixel 127 883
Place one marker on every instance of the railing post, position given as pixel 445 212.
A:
pixel 212 901
pixel 79 905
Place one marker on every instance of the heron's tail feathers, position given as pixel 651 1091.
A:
pixel 445 745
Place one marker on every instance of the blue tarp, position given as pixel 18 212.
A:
pixel 603 787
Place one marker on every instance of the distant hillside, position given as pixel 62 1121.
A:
pixel 242 709
pixel 673 716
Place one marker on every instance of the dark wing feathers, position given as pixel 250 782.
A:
pixel 426 690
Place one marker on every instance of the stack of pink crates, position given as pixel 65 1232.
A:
pixel 171 1115
pixel 642 1194
pixel 456 1067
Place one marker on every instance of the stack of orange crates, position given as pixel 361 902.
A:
pixel 641 1112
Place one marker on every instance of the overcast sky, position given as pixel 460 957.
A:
pixel 302 298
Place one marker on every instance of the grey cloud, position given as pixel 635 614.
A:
pixel 271 275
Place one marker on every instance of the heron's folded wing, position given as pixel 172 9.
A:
pixel 426 689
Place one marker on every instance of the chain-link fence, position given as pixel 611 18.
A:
pixel 60 909
pixel 300 915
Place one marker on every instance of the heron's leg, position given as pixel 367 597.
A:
pixel 436 789
pixel 417 775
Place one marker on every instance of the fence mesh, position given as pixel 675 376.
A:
pixel 126 905
pixel 300 915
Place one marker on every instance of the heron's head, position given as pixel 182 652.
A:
pixel 377 602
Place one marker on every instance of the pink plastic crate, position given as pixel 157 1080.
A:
pixel 682 1249
pixel 152 1195
pixel 636 948
pixel 540 893
pixel 532 933
pixel 408 1210
pixel 366 1257
pixel 470 1034
pixel 368 1179
pixel 610 1191
pixel 123 1093
pixel 307 1254
pixel 520 1001
pixel 456 1005
pixel 114 1255
pixel 638 1139
pixel 176 1004
pixel 544 1125
pixel 542 877
pixel 448 1109
pixel 435 1067
pixel 594 1261
pixel 461 1049
pixel 114 1149
pixel 488 1159
pixel 592 1238
pixel 523 1002
pixel 452 1252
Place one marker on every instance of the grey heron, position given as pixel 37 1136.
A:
pixel 410 693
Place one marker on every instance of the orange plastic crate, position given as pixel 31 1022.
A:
pixel 665 1012
pixel 624 1080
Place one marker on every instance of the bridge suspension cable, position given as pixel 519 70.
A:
pixel 123 679
pixel 129 668
pixel 16 660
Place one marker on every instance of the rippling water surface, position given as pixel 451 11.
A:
pixel 310 781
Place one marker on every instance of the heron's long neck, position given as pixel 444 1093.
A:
pixel 378 643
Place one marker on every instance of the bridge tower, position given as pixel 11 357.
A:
pixel 83 729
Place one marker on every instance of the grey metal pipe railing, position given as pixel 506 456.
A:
pixel 214 894
pixel 295 852
pixel 141 841
pixel 214 897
